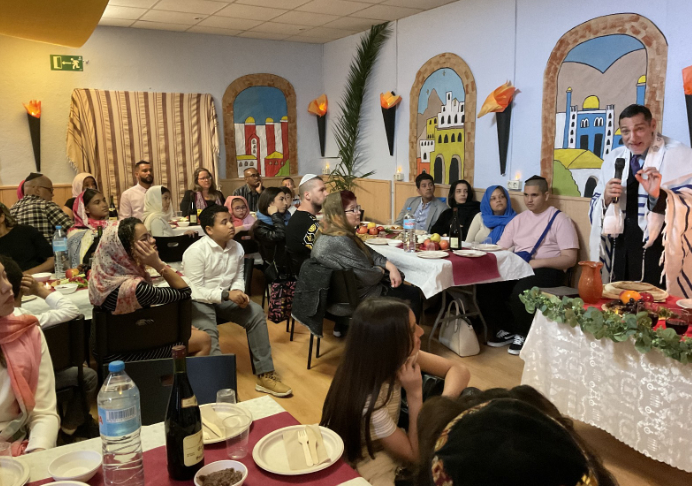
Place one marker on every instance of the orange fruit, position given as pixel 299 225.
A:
pixel 626 295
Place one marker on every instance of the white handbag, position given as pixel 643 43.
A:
pixel 457 333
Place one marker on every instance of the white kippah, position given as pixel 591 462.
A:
pixel 306 178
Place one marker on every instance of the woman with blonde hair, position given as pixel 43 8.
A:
pixel 339 248
pixel 204 193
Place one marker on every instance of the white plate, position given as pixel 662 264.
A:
pixel 269 453
pixel 208 438
pixel 489 247
pixel 66 483
pixel 377 241
pixel 13 472
pixel 685 303
pixel 469 253
pixel 431 254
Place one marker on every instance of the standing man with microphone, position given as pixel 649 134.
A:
pixel 638 208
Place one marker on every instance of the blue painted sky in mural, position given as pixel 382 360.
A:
pixel 601 52
pixel 259 102
pixel 442 80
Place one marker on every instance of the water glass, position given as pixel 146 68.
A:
pixel 5 449
pixel 225 395
pixel 178 214
pixel 237 428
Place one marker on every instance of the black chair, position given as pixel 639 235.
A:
pixel 248 270
pixel 142 330
pixel 342 302
pixel 67 346
pixel 247 242
pixel 154 378
pixel 171 248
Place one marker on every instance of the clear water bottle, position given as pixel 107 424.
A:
pixel 409 231
pixel 120 424
pixel 60 252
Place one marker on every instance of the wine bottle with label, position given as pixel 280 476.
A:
pixel 193 212
pixel 455 232
pixel 112 212
pixel 184 447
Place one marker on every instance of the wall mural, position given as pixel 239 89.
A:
pixel 259 126
pixel 596 70
pixel 443 105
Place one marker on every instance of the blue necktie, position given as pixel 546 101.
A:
pixel 635 166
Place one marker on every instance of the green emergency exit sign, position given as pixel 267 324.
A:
pixel 66 63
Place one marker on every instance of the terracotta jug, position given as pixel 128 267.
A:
pixel 590 283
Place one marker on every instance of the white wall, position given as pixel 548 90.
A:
pixel 503 40
pixel 139 60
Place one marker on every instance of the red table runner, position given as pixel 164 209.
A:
pixel 467 271
pixel 156 472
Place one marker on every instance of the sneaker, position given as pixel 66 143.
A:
pixel 502 338
pixel 337 333
pixel 270 383
pixel 516 345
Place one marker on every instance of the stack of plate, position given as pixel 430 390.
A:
pixel 612 290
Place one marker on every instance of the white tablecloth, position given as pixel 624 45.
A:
pixel 644 400
pixel 434 276
pixel 181 231
pixel 153 436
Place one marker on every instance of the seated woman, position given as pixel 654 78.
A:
pixel 80 183
pixel 90 212
pixel 28 418
pixel 270 231
pixel 499 437
pixel 157 212
pixel 462 197
pixel 337 247
pixel 242 219
pixel 203 193
pixel 382 355
pixel 496 211
pixel 24 244
pixel 120 284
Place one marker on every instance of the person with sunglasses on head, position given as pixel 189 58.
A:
pixel 203 192
pixel 37 208
pixel 252 189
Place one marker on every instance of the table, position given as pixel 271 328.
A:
pixel 178 231
pixel 643 400
pixel 266 414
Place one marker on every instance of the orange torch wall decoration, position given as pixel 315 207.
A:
pixel 500 103
pixel 33 113
pixel 318 107
pixel 389 102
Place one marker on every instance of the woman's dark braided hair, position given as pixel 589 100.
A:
pixel 126 233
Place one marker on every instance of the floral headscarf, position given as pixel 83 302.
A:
pixel 78 183
pixel 82 219
pixel 113 268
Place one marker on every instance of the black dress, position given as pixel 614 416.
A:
pixel 465 212
pixel 190 196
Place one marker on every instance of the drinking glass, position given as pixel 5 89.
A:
pixel 5 449
pixel 237 428
pixel 679 321
pixel 225 395
pixel 178 214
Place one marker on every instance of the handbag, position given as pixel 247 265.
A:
pixel 457 333
pixel 527 256
pixel 281 299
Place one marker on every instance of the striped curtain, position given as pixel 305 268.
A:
pixel 109 131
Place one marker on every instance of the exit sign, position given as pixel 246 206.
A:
pixel 66 63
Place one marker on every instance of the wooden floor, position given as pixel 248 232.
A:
pixel 493 367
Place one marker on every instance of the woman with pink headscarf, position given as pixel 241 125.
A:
pixel 80 183
pixel 240 212
pixel 90 210
pixel 119 282
pixel 28 418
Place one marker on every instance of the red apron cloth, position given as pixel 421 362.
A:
pixel 156 472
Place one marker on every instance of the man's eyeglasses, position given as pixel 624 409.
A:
pixel 49 189
pixel 253 175
pixel 357 209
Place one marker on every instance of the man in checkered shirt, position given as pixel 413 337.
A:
pixel 37 208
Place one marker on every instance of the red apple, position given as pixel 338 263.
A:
pixel 380 228
pixel 444 244
pixel 373 231
pixel 71 272
pixel 646 297
pixel 362 230
pixel 425 243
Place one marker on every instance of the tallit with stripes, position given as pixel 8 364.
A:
pixel 109 131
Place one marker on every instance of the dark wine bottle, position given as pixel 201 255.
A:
pixel 112 212
pixel 455 232
pixel 193 212
pixel 184 447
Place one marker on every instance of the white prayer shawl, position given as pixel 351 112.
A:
pixel 674 161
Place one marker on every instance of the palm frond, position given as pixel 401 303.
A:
pixel 347 128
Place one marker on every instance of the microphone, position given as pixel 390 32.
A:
pixel 619 167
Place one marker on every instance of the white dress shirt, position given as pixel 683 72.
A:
pixel 62 310
pixel 44 421
pixel 132 202
pixel 210 269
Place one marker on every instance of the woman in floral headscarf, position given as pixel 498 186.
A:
pixel 28 418
pixel 80 183
pixel 90 211
pixel 120 284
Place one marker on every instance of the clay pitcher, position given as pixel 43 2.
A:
pixel 590 283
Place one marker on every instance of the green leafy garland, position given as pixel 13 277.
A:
pixel 606 324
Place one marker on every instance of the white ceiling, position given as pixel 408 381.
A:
pixel 313 21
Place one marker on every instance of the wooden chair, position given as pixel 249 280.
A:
pixel 67 346
pixel 171 248
pixel 154 378
pixel 141 330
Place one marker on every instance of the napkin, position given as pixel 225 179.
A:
pixel 213 421
pixel 294 449
pixel 613 222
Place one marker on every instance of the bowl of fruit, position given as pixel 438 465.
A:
pixel 633 302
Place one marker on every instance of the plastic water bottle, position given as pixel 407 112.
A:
pixel 120 424
pixel 409 231
pixel 60 252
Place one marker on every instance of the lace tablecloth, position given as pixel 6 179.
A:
pixel 643 400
